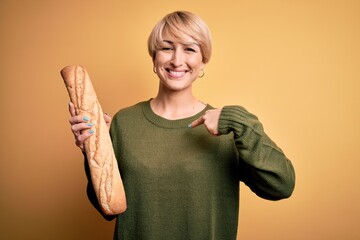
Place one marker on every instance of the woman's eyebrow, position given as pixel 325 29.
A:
pixel 186 43
pixel 191 43
pixel 168 41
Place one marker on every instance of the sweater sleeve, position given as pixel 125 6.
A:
pixel 263 166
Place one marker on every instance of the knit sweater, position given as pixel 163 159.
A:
pixel 183 183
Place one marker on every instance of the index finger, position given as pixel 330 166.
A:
pixel 197 122
pixel 72 109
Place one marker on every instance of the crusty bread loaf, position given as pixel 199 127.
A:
pixel 104 171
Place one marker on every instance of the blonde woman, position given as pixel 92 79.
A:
pixel 181 159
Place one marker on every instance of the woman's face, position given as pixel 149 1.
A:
pixel 178 62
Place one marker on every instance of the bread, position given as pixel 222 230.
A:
pixel 105 175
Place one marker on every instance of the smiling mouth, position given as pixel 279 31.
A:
pixel 176 74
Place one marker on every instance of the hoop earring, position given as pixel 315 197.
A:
pixel 154 69
pixel 203 73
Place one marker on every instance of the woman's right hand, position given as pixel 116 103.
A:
pixel 78 125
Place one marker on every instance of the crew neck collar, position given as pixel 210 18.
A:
pixel 167 123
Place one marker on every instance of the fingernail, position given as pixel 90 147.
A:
pixel 86 119
pixel 90 124
pixel 91 131
pixel 189 126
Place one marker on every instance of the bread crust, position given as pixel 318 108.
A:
pixel 104 171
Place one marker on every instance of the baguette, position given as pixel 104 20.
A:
pixel 105 175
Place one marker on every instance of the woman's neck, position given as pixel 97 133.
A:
pixel 176 106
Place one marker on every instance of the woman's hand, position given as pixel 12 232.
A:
pixel 210 119
pixel 81 127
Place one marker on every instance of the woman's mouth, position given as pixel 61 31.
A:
pixel 176 74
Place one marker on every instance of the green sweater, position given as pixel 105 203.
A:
pixel 183 183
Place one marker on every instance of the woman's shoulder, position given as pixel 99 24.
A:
pixel 130 110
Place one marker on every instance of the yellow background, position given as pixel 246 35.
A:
pixel 295 64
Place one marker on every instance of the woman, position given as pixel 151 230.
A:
pixel 180 159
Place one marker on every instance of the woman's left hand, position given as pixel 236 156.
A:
pixel 210 119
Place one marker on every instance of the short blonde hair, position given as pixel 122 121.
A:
pixel 177 24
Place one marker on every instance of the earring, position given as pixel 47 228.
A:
pixel 203 73
pixel 154 69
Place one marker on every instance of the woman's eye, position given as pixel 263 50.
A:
pixel 166 49
pixel 190 50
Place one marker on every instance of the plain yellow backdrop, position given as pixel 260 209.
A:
pixel 295 64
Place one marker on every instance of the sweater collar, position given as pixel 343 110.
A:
pixel 166 123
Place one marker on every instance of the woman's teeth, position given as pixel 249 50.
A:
pixel 176 73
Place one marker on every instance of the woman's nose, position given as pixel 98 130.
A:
pixel 177 59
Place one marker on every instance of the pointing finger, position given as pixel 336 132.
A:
pixel 197 122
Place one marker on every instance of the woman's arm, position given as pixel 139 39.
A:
pixel 263 165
